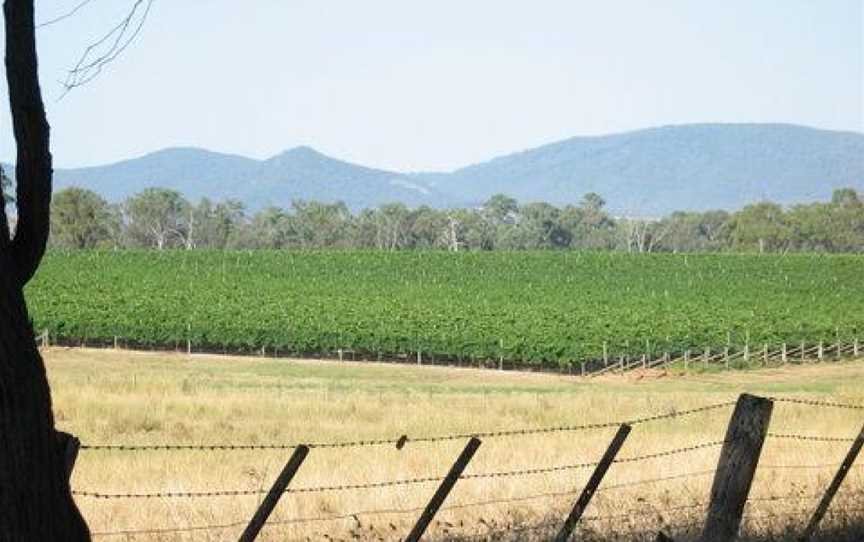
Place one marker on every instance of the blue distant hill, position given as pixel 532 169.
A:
pixel 646 172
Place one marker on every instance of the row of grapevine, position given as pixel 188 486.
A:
pixel 532 308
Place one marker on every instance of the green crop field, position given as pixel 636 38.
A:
pixel 548 308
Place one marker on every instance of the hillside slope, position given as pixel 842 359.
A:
pixel 646 172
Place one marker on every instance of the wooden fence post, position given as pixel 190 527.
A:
pixel 739 457
pixel 593 483
pixel 621 364
pixel 803 359
pixel 583 368
pixel 765 354
pixel 726 357
pixel 747 353
pixel 705 357
pixel 644 361
pixel 832 489
pixel 605 354
pixel 443 490
pixel 854 345
pixel 821 350
pixel 419 357
pixel 783 354
pixel 686 359
pixel 69 446
pixel 269 503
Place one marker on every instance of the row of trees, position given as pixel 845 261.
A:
pixel 159 218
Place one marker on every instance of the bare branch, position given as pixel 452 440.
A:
pixel 66 15
pixel 107 48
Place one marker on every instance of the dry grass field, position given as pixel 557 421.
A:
pixel 119 397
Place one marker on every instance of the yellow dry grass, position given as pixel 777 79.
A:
pixel 119 397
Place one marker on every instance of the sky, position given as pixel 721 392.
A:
pixel 415 85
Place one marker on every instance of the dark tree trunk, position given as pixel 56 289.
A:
pixel 35 498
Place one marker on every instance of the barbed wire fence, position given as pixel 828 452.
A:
pixel 740 451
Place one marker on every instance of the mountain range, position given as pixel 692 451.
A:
pixel 642 173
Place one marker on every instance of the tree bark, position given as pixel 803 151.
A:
pixel 35 498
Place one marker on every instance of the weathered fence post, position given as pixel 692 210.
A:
pixel 686 359
pixel 832 489
pixel 605 354
pixel 583 368
pixel 69 446
pixel 443 490
pixel 747 352
pixel 419 357
pixel 621 364
pixel 739 457
pixel 726 357
pixel 783 354
pixel 821 350
pixel 706 356
pixel 765 354
pixel 644 361
pixel 803 358
pixel 272 499
pixel 593 483
pixel 854 345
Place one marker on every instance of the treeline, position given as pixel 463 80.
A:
pixel 162 219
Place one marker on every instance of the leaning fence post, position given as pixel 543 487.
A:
pixel 835 485
pixel 269 503
pixel 593 483
pixel 739 457
pixel 443 490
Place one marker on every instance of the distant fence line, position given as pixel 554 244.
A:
pixel 747 430
pixel 710 357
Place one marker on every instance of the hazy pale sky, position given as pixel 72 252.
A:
pixel 434 85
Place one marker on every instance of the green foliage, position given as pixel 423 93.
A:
pixel 79 218
pixel 6 187
pixel 529 307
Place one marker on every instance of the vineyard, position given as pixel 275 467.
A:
pixel 540 308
